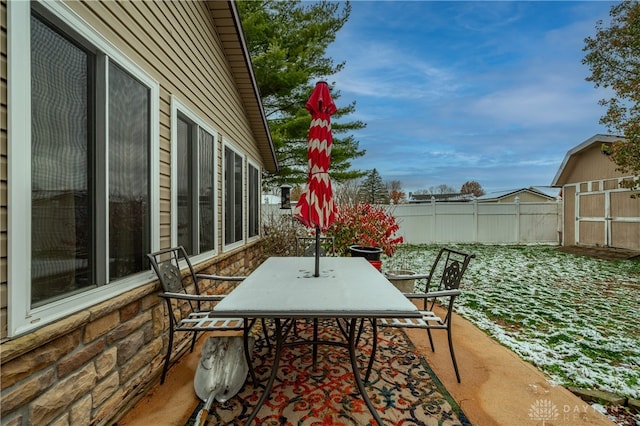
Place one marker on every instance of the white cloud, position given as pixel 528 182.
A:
pixel 454 91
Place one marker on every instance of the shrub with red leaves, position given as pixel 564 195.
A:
pixel 364 224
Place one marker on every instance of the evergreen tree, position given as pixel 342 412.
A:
pixel 372 190
pixel 287 41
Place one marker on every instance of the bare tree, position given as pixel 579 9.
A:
pixel 472 187
pixel 346 192
pixel 396 194
pixel 422 192
pixel 442 189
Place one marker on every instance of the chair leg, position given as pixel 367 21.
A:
pixel 433 349
pixel 167 357
pixel 193 341
pixel 453 355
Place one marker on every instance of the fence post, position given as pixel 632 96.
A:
pixel 517 205
pixel 435 218
pixel 560 215
pixel 475 219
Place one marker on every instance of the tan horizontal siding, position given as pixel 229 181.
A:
pixel 178 45
pixel 187 65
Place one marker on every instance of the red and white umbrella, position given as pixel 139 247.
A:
pixel 315 207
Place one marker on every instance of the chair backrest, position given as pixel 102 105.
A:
pixel 306 246
pixel 448 268
pixel 166 264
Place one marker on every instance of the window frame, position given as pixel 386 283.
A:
pixel 227 247
pixel 253 165
pixel 22 318
pixel 179 108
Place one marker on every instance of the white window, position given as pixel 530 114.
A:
pixel 233 201
pixel 253 228
pixel 83 170
pixel 194 182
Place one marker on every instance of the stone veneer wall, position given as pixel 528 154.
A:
pixel 90 367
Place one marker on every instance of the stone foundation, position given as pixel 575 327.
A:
pixel 93 365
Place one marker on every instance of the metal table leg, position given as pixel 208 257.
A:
pixel 374 347
pixel 356 373
pixel 351 345
pixel 274 371
pixel 245 341
pixel 315 339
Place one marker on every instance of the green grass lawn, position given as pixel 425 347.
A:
pixel 576 318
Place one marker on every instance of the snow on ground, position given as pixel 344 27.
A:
pixel 576 318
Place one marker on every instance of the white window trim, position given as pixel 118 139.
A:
pixel 251 163
pixel 241 241
pixel 21 317
pixel 178 107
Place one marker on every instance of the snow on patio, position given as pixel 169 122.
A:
pixel 574 317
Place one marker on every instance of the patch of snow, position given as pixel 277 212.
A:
pixel 575 318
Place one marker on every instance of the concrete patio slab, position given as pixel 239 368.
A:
pixel 497 389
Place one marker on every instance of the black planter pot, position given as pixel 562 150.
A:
pixel 369 253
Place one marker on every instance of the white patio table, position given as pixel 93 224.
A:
pixel 284 288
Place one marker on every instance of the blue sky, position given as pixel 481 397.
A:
pixel 457 91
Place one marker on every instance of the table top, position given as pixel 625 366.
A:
pixel 284 287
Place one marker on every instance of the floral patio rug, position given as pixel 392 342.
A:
pixel 402 386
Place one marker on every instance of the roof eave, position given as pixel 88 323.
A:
pixel 227 21
pixel 579 148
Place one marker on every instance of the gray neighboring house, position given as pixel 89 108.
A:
pixel 532 194
pixel 428 198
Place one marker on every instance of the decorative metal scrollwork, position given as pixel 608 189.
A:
pixel 170 276
pixel 451 276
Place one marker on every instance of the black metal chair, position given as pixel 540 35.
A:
pixel 444 277
pixel 306 246
pixel 187 307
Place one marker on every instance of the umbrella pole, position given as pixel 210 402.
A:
pixel 317 273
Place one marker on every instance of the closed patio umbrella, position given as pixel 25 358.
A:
pixel 316 208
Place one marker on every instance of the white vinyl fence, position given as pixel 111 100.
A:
pixel 473 222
